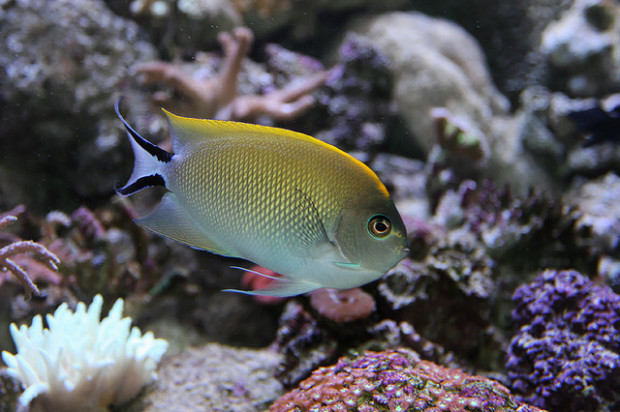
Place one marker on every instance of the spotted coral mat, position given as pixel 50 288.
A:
pixel 396 380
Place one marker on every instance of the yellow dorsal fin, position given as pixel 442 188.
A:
pixel 186 131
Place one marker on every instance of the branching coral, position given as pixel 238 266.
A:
pixel 8 252
pixel 396 381
pixel 81 363
pixel 217 97
pixel 102 251
pixel 566 353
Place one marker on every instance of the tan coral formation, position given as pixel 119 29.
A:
pixel 218 98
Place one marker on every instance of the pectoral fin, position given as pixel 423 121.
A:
pixel 170 220
pixel 331 252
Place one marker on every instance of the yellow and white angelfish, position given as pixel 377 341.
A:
pixel 281 199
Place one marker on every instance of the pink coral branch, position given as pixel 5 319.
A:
pixel 284 104
pixel 22 247
pixel 236 47
pixel 28 246
pixel 7 220
pixel 21 275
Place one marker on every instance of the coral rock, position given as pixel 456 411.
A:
pixel 303 343
pixel 582 47
pixel 357 102
pixel 596 207
pixel 63 62
pixel 457 277
pixel 213 377
pixel 435 64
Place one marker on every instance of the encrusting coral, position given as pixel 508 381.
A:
pixel 24 247
pixel 396 380
pixel 217 97
pixel 566 352
pixel 80 363
pixel 342 305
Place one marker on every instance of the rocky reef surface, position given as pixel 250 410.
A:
pixel 215 378
pixel 494 127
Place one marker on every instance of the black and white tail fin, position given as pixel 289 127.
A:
pixel 149 160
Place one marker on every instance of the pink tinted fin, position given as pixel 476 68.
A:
pixel 255 272
pixel 282 286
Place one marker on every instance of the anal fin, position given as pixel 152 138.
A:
pixel 170 220
pixel 283 286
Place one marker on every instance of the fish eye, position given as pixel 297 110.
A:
pixel 379 226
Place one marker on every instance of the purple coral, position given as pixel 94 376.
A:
pixel 396 380
pixel 357 99
pixel 566 353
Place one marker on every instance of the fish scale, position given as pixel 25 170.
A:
pixel 281 199
pixel 256 187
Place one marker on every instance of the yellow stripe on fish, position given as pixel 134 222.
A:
pixel 281 199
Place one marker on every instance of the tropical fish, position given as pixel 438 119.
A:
pixel 284 200
pixel 603 125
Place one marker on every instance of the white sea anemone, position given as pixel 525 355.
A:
pixel 81 363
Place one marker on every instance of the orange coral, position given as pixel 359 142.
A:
pixel 265 8
pixel 342 305
pixel 217 97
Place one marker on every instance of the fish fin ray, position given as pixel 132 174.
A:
pixel 255 272
pixel 283 286
pixel 312 232
pixel 170 220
